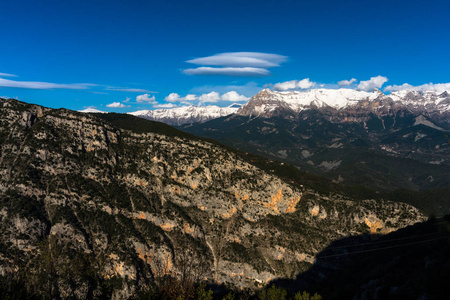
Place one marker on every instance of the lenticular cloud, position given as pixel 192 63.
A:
pixel 232 72
pixel 241 59
pixel 245 64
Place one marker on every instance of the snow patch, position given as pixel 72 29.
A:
pixel 419 136
pixel 306 153
pixel 336 145
pixel 283 153
pixel 421 120
pixel 330 165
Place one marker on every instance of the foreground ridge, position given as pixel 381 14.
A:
pixel 117 201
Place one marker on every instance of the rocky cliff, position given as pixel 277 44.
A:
pixel 133 203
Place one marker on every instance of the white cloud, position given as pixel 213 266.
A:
pixel 435 87
pixel 372 83
pixel 241 59
pixel 233 96
pixel 190 97
pixel 43 85
pixel 395 88
pixel 210 97
pixel 117 105
pixel 166 105
pixel 145 98
pixel 305 83
pixel 173 97
pixel 294 84
pixel 129 90
pixel 346 82
pixel 228 71
pixel 213 96
pixel 7 75
pixel 287 85
pixel 99 93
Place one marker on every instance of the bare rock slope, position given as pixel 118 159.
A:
pixel 86 191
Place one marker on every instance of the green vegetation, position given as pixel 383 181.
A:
pixel 306 296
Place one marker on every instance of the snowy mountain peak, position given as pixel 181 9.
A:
pixel 187 114
pixel 269 103
pixel 92 110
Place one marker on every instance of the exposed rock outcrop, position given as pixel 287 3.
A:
pixel 133 202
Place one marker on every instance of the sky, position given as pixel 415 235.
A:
pixel 130 55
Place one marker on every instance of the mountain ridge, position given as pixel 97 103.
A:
pixel 77 186
pixel 267 101
pixel 187 114
pixel 406 129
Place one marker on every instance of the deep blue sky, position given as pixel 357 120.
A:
pixel 145 45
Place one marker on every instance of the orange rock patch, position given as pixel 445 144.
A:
pixel 373 223
pixel 229 214
pixel 167 226
pixel 275 200
pixel 291 204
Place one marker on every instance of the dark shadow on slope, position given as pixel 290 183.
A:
pixel 410 263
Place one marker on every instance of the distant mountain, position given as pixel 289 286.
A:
pixel 92 110
pixel 109 205
pixel 268 103
pixel 187 114
pixel 383 141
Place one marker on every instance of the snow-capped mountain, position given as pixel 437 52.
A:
pixel 268 103
pixel 385 141
pixel 92 110
pixel 187 114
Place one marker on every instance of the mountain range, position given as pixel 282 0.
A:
pixel 108 205
pixel 385 142
pixel 187 114
pixel 269 103
pixel 180 115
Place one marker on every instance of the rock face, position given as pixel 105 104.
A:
pixel 132 204
pixel 353 137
